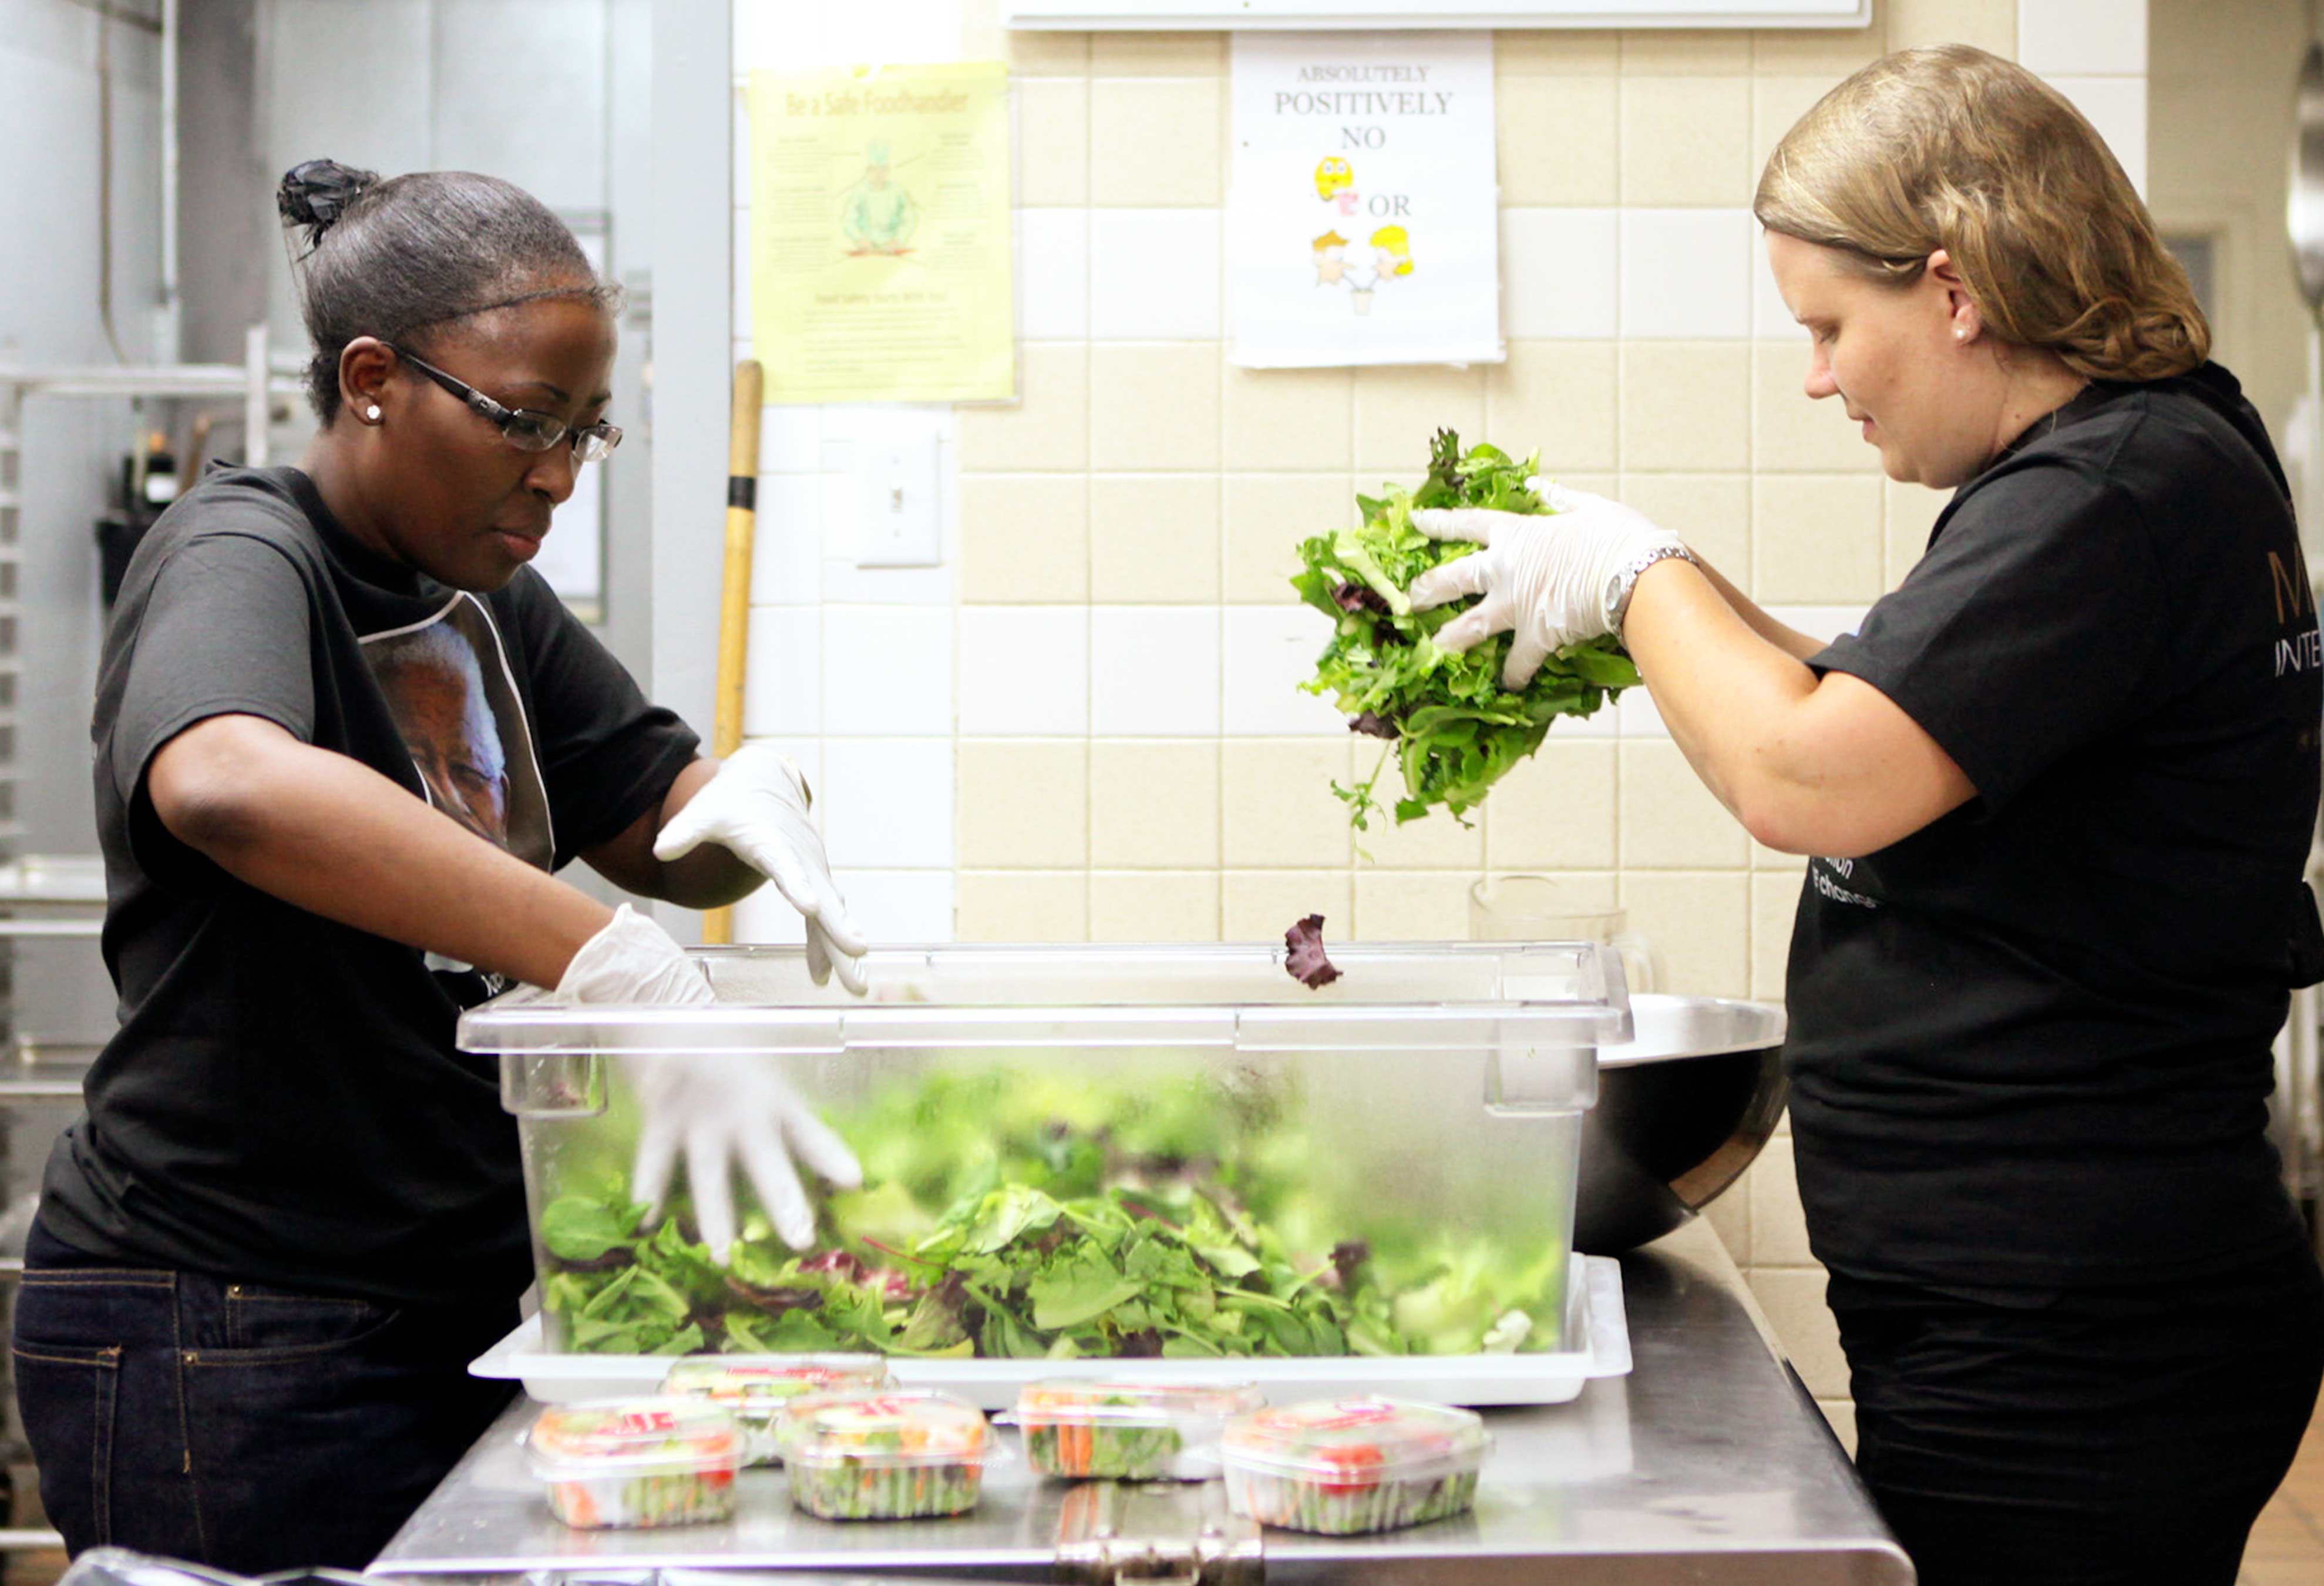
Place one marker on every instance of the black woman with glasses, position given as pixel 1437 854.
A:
pixel 345 737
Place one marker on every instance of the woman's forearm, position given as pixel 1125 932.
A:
pixel 1790 641
pixel 331 835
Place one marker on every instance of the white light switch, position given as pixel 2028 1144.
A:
pixel 900 518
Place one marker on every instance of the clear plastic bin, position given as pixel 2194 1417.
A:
pixel 884 1455
pixel 754 1389
pixel 1339 1467
pixel 1129 1431
pixel 624 1464
pixel 1176 1153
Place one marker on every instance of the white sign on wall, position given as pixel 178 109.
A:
pixel 1362 223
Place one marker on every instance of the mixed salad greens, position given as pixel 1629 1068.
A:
pixel 1454 730
pixel 884 1455
pixel 1022 1212
pixel 1128 1430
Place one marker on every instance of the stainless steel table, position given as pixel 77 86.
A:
pixel 1708 1463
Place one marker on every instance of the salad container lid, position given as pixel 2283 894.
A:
pixel 1356 1442
pixel 633 1437
pixel 883 1427
pixel 759 1385
pixel 1073 1400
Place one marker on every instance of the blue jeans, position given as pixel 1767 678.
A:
pixel 237 1425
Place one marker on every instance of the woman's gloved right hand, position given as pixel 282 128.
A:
pixel 1548 581
pixel 717 1108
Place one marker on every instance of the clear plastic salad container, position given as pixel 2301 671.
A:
pixel 635 1463
pixel 1349 1465
pixel 1129 1431
pixel 884 1455
pixel 754 1389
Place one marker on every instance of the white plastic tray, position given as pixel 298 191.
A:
pixel 1594 1315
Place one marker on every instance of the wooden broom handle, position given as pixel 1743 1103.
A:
pixel 735 595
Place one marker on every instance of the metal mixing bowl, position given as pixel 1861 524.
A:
pixel 1681 1111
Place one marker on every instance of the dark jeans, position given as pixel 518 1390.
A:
pixel 235 1425
pixel 2083 1437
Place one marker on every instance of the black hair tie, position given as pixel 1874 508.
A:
pixel 315 193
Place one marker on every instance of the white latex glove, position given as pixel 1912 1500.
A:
pixel 1549 581
pixel 718 1108
pixel 756 809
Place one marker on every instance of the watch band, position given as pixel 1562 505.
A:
pixel 1618 592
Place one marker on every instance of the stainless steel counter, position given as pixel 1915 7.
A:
pixel 1709 1463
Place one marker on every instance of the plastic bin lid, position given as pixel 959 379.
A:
pixel 762 1384
pixel 1356 1442
pixel 1075 1400
pixel 883 1427
pixel 631 1437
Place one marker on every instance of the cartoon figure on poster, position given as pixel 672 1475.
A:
pixel 875 216
pixel 1336 184
pixel 1388 256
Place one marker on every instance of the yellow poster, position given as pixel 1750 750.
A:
pixel 880 237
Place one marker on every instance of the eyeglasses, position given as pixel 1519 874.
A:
pixel 522 427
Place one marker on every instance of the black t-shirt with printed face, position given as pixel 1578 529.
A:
pixel 2030 1043
pixel 283 1101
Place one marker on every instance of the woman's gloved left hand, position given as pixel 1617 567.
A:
pixel 1548 581
pixel 756 807
pixel 720 1109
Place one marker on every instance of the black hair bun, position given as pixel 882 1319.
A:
pixel 316 192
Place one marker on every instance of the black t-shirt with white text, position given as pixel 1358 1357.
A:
pixel 282 1103
pixel 2030 1043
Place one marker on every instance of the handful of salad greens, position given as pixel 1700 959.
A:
pixel 1002 1217
pixel 1454 730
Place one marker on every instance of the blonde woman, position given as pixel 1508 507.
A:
pixel 2060 785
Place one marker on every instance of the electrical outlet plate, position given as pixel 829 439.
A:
pixel 899 509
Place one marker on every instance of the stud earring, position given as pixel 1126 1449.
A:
pixel 372 412
pixel 1958 334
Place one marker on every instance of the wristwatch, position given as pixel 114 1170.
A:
pixel 1619 588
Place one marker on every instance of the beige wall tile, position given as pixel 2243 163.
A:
pixel 1710 512
pixel 1699 922
pixel 1912 512
pixel 1154 405
pixel 1047 429
pixel 1265 517
pixel 1774 860
pixel 1556 811
pixel 1023 803
pixel 1686 406
pixel 1260 904
pixel 1777 103
pixel 1053 141
pixel 1156 145
pixel 1816 540
pixel 1842 1413
pixel 1275 795
pixel 1024 538
pixel 1989 24
pixel 1830 53
pixel 1667 52
pixel 1729 1217
pixel 1279 419
pixel 1559 140
pixel 1153 906
pixel 1144 54
pixel 1434 841
pixel 1154 538
pixel 1775 903
pixel 1686 140
pixel 1794 1302
pixel 1556 52
pixel 1412 906
pixel 1557 397
pixel 1021 905
pixel 1154 803
pixel 983 36
pixel 1790 432
pixel 1779 1228
pixel 1398 409
pixel 1670 821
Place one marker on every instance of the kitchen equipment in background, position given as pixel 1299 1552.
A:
pixel 1535 909
pixel 735 595
pixel 1684 1107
